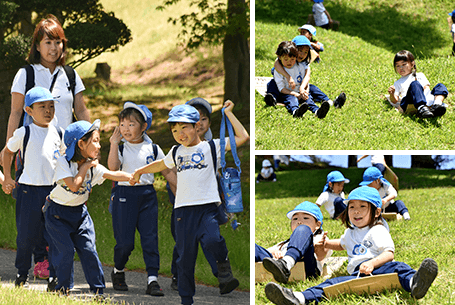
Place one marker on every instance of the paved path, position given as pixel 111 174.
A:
pixel 136 282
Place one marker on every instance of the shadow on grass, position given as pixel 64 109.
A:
pixel 413 117
pixel 381 25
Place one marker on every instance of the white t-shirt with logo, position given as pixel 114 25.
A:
pixel 43 78
pixel 61 193
pixel 365 243
pixel 41 154
pixel 297 72
pixel 196 180
pixel 135 156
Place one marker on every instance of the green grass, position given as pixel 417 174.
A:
pixel 358 60
pixel 427 193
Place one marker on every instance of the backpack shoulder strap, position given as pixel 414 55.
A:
pixel 155 150
pixel 120 149
pixel 213 150
pixel 174 152
pixel 71 77
pixel 20 157
pixel 26 138
pixel 30 73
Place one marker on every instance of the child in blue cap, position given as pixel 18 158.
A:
pixel 280 91
pixel 67 220
pixel 309 93
pixel 322 17
pixel 304 245
pixel 332 195
pixel 372 177
pixel 40 144
pixel 370 250
pixel 316 47
pixel 135 207
pixel 197 198
pixel 451 21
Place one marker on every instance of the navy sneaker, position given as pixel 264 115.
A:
pixel 299 112
pixel 340 100
pixel 154 289
pixel 280 295
pixel 438 110
pixel 269 99
pixel 322 111
pixel 423 278
pixel 278 268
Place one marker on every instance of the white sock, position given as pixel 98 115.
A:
pixel 151 278
pixel 330 102
pixel 50 279
pixel 299 297
pixel 290 262
pixel 117 271
pixel 406 216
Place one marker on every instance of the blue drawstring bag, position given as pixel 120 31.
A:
pixel 230 177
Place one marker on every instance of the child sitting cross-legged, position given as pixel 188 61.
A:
pixel 370 250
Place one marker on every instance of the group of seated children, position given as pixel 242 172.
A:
pixel 367 241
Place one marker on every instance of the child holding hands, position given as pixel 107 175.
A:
pixel 196 197
pixel 135 207
pixel 67 220
pixel 411 93
pixel 370 250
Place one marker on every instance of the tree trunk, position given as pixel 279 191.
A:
pixel 236 58
pixel 6 79
pixel 422 161
pixel 352 161
pixel 389 160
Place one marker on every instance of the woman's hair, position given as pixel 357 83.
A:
pixel 405 56
pixel 51 27
pixel 131 112
pixel 344 216
pixel 77 151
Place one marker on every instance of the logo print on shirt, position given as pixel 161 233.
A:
pixel 193 161
pixel 149 159
pixel 299 78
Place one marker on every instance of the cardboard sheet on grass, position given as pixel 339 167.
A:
pixel 390 176
pixel 367 284
pixel 392 216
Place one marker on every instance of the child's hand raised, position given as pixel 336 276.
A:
pixel 391 90
pixel 228 106
pixel 116 136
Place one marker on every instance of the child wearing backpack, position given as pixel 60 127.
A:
pixel 197 196
pixel 370 251
pixel 67 220
pixel 135 207
pixel 40 144
pixel 332 195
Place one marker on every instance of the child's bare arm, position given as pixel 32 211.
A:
pixel 333 244
pixel 8 183
pixel 117 176
pixel 171 177
pixel 280 69
pixel 75 183
pixel 393 97
pixel 113 161
pixel 368 266
pixel 319 249
pixel 154 167
pixel 241 135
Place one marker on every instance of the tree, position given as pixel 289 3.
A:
pixel 215 24
pixel 89 29
pixel 422 161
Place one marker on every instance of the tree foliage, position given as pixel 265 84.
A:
pixel 212 21
pixel 89 29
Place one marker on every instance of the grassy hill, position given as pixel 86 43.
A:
pixel 428 195
pixel 358 60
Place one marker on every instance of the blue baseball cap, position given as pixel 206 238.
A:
pixel 365 193
pixel 372 174
pixel 301 40
pixel 183 114
pixel 200 101
pixel 335 176
pixel 308 208
pixel 452 13
pixel 318 1
pixel 146 113
pixel 36 95
pixel 309 28
pixel 74 132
